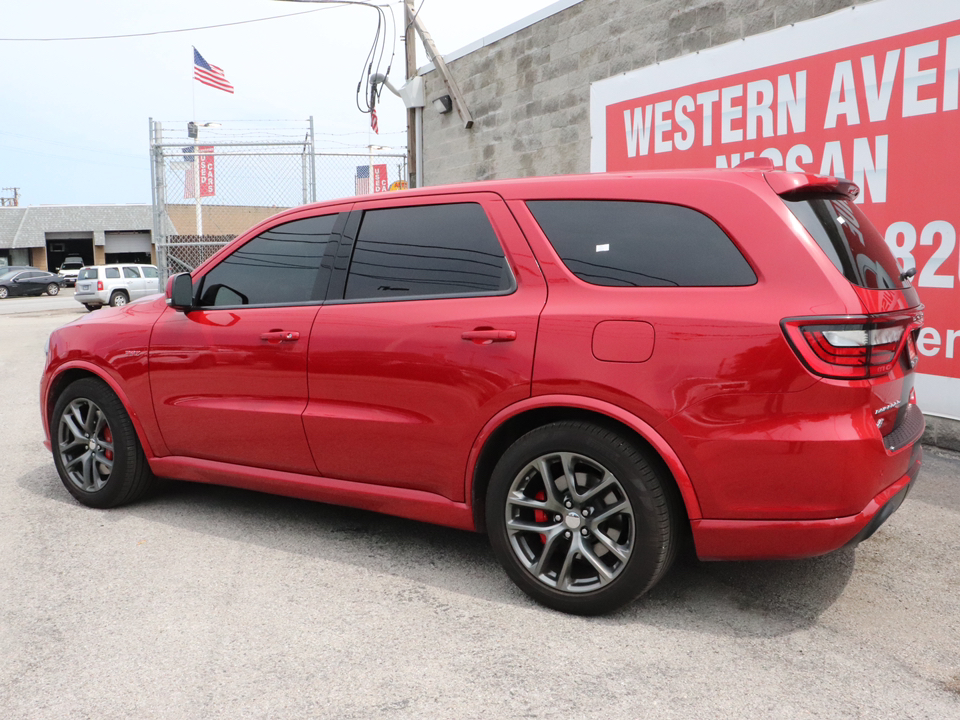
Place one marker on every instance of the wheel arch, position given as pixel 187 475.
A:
pixel 71 373
pixel 513 422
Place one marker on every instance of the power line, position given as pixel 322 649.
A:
pixel 334 4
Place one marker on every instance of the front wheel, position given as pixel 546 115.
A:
pixel 119 299
pixel 95 447
pixel 3 293
pixel 580 519
pixel 53 289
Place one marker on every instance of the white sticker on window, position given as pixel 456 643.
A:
pixel 603 248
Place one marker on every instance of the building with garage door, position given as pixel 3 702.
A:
pixel 43 236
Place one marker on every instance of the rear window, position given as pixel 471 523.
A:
pixel 641 244
pixel 89 273
pixel 850 240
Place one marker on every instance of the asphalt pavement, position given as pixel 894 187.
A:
pixel 209 602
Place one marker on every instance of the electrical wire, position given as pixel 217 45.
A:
pixel 182 30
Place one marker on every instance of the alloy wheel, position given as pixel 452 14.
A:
pixel 85 445
pixel 570 522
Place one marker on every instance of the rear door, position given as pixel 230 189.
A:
pixel 229 378
pixel 428 331
pixel 133 281
pixel 151 279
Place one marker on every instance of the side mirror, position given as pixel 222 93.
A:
pixel 180 292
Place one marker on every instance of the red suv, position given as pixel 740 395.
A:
pixel 588 368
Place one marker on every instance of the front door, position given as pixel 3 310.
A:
pixel 229 378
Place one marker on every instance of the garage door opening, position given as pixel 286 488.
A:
pixel 127 247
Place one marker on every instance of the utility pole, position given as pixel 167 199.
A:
pixel 437 59
pixel 11 202
pixel 409 40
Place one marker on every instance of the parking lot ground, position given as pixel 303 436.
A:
pixel 210 602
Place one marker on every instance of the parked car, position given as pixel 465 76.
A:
pixel 99 285
pixel 70 268
pixel 588 368
pixel 30 281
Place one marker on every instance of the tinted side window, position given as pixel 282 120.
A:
pixel 427 251
pixel 849 239
pixel 279 266
pixel 111 272
pixel 641 244
pixel 150 272
pixel 131 272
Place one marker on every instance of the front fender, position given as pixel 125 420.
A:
pixel 151 449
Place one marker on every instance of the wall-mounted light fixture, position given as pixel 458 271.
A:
pixel 443 104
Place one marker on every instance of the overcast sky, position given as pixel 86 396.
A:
pixel 74 114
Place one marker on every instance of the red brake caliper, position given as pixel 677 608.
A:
pixel 539 515
pixel 108 437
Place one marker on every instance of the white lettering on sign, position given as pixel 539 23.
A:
pixel 901 238
pixel 877 94
pixel 843 97
pixel 792 103
pixel 914 79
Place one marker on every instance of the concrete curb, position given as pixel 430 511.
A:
pixel 942 433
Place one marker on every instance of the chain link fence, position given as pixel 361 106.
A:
pixel 210 188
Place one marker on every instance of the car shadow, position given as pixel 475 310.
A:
pixel 753 599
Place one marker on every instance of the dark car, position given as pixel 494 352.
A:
pixel 591 369
pixel 29 282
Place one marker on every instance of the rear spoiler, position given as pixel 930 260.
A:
pixel 795 184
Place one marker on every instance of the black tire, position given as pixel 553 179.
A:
pixel 90 307
pixel 95 447
pixel 618 495
pixel 53 289
pixel 3 293
pixel 119 299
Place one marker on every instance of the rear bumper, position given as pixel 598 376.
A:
pixel 790 539
pixel 89 298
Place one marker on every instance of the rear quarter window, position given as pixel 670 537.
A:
pixel 641 244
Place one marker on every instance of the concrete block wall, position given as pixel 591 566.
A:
pixel 529 93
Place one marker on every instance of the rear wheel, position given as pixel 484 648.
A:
pixel 53 289
pixel 95 447
pixel 580 519
pixel 3 293
pixel 119 299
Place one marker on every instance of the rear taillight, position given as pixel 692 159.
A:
pixel 99 285
pixel 853 348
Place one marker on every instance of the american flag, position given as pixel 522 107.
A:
pixel 373 120
pixel 363 179
pixel 209 74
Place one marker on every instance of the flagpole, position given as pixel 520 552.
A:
pixel 196 153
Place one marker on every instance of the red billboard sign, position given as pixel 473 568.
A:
pixel 872 95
